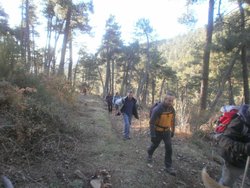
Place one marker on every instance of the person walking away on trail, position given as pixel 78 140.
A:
pixel 115 98
pixel 109 98
pixel 235 146
pixel 162 127
pixel 128 109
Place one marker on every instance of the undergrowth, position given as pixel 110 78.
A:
pixel 35 121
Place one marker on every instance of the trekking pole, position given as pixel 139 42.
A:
pixel 245 172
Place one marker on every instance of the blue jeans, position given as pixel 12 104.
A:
pixel 230 173
pixel 127 123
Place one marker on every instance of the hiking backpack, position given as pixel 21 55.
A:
pixel 244 113
pixel 152 108
pixel 229 113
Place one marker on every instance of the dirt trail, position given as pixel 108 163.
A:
pixel 70 158
pixel 126 160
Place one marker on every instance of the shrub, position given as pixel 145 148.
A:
pixel 37 105
pixel 10 96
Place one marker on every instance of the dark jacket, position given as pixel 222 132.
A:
pixel 109 99
pixel 134 111
pixel 233 142
pixel 156 113
pixel 158 110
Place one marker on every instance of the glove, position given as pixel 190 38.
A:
pixel 247 149
pixel 172 134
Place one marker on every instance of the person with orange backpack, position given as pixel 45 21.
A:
pixel 162 127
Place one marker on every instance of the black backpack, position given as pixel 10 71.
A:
pixel 152 107
pixel 244 113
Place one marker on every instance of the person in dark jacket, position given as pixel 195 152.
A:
pixel 162 127
pixel 235 147
pixel 128 109
pixel 109 100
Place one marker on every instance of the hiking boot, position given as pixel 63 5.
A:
pixel 171 171
pixel 127 138
pixel 118 114
pixel 149 159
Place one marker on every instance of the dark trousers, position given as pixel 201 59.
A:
pixel 155 141
pixel 110 107
pixel 230 174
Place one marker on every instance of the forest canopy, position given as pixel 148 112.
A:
pixel 206 67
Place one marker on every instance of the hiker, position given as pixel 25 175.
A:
pixel 228 112
pixel 235 146
pixel 116 97
pixel 84 91
pixel 128 109
pixel 162 127
pixel 109 98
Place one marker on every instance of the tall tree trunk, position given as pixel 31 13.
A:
pixel 35 64
pixel 47 49
pixel 230 92
pixel 146 75
pixel 22 43
pixel 65 41
pixel 225 78
pixel 153 91
pixel 107 80
pixel 162 87
pixel 130 72
pixel 243 55
pixel 245 74
pixel 125 79
pixel 75 73
pixel 140 86
pixel 53 55
pixel 27 38
pixel 101 79
pixel 70 59
pixel 206 57
pixel 113 76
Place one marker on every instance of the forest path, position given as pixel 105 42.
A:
pixel 93 143
pixel 126 159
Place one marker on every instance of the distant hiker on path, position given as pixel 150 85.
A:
pixel 115 98
pixel 128 109
pixel 162 127
pixel 109 99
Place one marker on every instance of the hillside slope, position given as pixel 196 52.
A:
pixel 72 158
